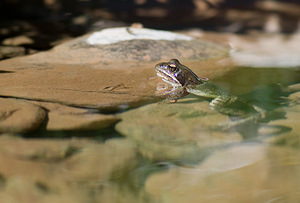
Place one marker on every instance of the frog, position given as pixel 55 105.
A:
pixel 184 81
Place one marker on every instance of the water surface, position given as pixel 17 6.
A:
pixel 165 152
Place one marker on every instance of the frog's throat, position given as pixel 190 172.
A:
pixel 168 79
pixel 165 92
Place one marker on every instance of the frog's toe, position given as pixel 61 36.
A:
pixel 215 103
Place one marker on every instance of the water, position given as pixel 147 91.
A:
pixel 253 162
pixel 174 153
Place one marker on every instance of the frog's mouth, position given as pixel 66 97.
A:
pixel 170 79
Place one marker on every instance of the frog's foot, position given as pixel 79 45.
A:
pixel 261 112
pixel 172 100
pixel 221 104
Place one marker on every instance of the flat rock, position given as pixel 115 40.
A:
pixel 78 85
pixel 19 116
pixel 185 130
pixel 110 77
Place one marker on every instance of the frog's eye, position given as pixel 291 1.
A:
pixel 172 67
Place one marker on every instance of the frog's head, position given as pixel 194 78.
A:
pixel 176 74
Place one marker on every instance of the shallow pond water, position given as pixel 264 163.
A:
pixel 177 154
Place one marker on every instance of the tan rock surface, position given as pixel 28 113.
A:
pixel 77 85
pixel 88 86
pixel 19 116
pixel 111 77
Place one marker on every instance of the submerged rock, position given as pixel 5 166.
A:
pixel 66 170
pixel 186 130
pixel 39 150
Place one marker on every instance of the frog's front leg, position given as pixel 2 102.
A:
pixel 171 93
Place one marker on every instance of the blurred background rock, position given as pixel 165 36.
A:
pixel 37 25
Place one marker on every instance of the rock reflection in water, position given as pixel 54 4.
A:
pixel 239 174
pixel 77 170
